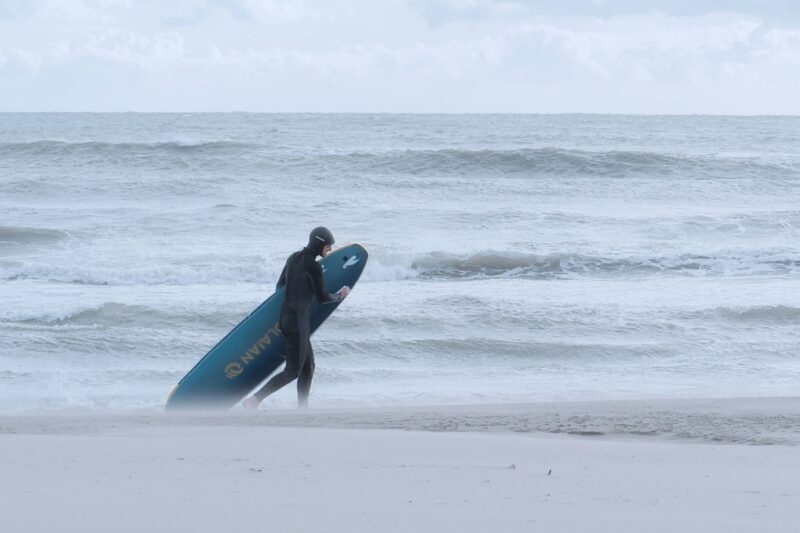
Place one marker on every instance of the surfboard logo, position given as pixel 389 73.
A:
pixel 233 370
pixel 351 262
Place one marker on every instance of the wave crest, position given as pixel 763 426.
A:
pixel 504 264
pixel 481 163
pixel 543 162
pixel 25 235
pixel 119 314
pixel 429 266
pixel 98 148
pixel 775 314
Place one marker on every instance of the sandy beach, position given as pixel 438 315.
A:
pixel 679 465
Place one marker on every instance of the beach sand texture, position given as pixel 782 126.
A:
pixel 421 469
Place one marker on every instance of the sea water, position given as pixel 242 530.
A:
pixel 512 257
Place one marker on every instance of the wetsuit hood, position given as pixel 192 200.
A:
pixel 319 238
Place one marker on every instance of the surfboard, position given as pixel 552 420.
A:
pixel 255 348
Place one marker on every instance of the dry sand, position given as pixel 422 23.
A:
pixel 713 465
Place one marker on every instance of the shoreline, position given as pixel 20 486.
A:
pixel 754 421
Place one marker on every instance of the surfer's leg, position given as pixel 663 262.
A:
pixel 290 372
pixel 304 380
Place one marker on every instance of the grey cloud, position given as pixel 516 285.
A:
pixel 438 12
pixel 12 9
pixel 188 19
pixel 323 58
pixel 236 9
pixel 272 12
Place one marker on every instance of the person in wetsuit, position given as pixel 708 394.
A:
pixel 302 277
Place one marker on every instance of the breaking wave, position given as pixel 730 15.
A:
pixel 500 264
pixel 430 266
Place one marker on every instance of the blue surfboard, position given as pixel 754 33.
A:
pixel 255 348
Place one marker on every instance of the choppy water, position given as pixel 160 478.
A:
pixel 513 257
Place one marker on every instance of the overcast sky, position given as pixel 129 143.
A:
pixel 604 56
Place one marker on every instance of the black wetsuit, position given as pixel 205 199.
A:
pixel 302 277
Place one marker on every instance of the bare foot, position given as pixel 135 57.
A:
pixel 251 403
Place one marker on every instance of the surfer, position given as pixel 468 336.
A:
pixel 303 279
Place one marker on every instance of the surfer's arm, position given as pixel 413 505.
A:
pixel 318 282
pixel 282 279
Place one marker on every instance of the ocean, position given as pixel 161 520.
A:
pixel 513 258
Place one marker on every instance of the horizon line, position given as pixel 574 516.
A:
pixel 563 113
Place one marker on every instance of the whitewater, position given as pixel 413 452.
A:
pixel 513 258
